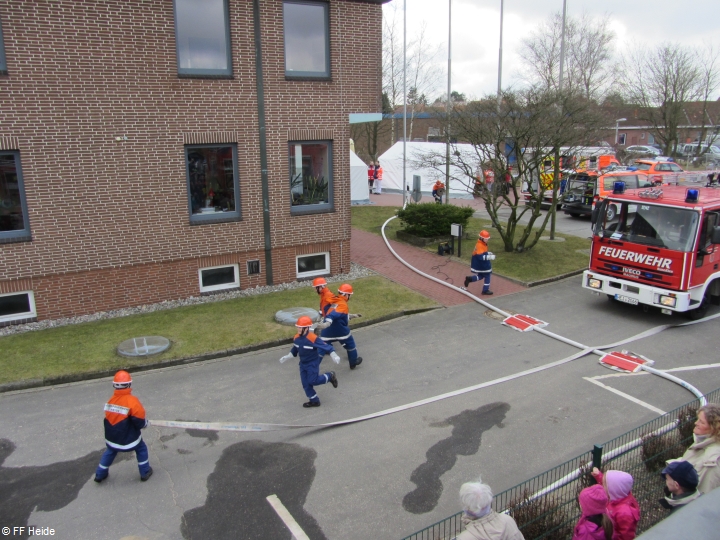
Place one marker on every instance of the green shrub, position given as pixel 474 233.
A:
pixel 430 219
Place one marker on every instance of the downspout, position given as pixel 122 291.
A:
pixel 263 144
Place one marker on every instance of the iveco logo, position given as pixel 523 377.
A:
pixel 631 271
pixel 632 256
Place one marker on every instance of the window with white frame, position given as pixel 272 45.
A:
pixel 202 37
pixel 317 264
pixel 17 306
pixel 14 222
pixel 3 63
pixel 307 38
pixel 310 176
pixel 213 185
pixel 218 278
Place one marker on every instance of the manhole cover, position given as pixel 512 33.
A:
pixel 497 316
pixel 289 316
pixel 143 346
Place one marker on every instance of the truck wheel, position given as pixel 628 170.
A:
pixel 700 311
pixel 611 212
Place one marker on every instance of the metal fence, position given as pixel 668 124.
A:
pixel 545 507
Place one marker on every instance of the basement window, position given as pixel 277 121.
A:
pixel 17 306
pixel 317 264
pixel 218 278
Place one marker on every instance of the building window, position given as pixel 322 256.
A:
pixel 310 176
pixel 14 223
pixel 17 306
pixel 202 37
pixel 213 187
pixel 651 139
pixel 253 267
pixel 307 39
pixel 218 278
pixel 317 264
pixel 3 63
pixel 621 139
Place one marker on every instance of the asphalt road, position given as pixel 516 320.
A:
pixel 382 478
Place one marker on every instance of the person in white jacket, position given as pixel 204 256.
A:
pixel 480 520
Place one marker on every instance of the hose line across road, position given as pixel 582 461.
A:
pixel 584 350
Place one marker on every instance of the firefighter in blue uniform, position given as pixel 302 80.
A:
pixel 308 345
pixel 124 418
pixel 480 264
pixel 335 326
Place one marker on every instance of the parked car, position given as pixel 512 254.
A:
pixel 642 149
pixel 584 189
pixel 660 171
pixel 707 154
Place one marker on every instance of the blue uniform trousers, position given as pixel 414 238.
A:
pixel 480 277
pixel 349 345
pixel 141 452
pixel 310 376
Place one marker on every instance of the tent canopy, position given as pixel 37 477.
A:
pixel 392 165
pixel 359 192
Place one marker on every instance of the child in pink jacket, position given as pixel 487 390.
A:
pixel 623 509
pixel 594 523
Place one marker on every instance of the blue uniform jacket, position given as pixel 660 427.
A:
pixel 480 263
pixel 340 327
pixel 307 347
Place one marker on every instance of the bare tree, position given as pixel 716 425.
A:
pixel 523 132
pixel 710 80
pixel 661 81
pixel 392 62
pixel 424 75
pixel 588 65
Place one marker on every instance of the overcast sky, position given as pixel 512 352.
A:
pixel 476 31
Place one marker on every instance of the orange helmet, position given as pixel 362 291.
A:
pixel 304 322
pixel 484 235
pixel 122 379
pixel 319 282
pixel 345 288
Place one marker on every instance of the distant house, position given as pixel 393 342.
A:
pixel 160 150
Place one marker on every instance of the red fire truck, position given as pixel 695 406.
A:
pixel 661 248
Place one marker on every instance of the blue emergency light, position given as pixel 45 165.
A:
pixel 692 196
pixel 618 188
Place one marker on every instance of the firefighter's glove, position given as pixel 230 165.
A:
pixel 490 256
pixel 335 357
pixel 285 358
pixel 322 324
pixel 353 315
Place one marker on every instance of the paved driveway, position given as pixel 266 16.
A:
pixel 382 478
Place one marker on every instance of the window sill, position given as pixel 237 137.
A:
pixel 15 239
pixel 217 217
pixel 219 291
pixel 204 76
pixel 311 209
pixel 306 78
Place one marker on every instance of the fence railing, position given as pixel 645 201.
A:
pixel 544 507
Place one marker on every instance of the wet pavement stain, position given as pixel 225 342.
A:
pixel 209 434
pixel 44 488
pixel 246 473
pixel 468 427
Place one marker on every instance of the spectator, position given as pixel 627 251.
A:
pixel 378 178
pixel 438 190
pixel 623 509
pixel 681 481
pixel 704 453
pixel 489 179
pixel 371 176
pixel 480 520
pixel 594 522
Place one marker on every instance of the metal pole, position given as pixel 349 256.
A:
pixel 562 47
pixel 557 171
pixel 404 97
pixel 447 142
pixel 500 53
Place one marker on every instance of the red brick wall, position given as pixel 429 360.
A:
pixel 109 218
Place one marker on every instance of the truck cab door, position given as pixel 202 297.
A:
pixel 707 257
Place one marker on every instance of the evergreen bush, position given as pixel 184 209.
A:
pixel 429 220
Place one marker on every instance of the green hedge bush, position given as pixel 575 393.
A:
pixel 429 220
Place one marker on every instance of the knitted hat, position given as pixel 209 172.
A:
pixel 683 473
pixel 593 500
pixel 618 484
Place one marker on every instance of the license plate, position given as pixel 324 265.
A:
pixel 626 299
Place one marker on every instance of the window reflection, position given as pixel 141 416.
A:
pixel 12 216
pixel 211 177
pixel 309 173
pixel 306 39
pixel 202 37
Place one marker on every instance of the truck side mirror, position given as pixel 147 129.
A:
pixel 594 215
pixel 715 236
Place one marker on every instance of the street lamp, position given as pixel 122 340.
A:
pixel 617 126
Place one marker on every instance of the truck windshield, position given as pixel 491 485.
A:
pixel 580 186
pixel 648 224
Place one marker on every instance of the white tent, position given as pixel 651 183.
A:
pixel 359 192
pixel 392 165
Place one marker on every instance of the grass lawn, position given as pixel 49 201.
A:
pixel 192 330
pixel 545 260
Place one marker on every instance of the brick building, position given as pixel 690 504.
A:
pixel 146 154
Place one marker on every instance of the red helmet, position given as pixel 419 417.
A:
pixel 345 288
pixel 122 379
pixel 484 235
pixel 304 322
pixel 319 282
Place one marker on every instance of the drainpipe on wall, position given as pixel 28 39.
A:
pixel 263 144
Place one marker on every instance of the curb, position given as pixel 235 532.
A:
pixel 27 384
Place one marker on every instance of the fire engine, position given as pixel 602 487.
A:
pixel 659 249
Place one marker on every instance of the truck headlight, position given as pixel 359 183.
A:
pixel 668 301
pixel 594 283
